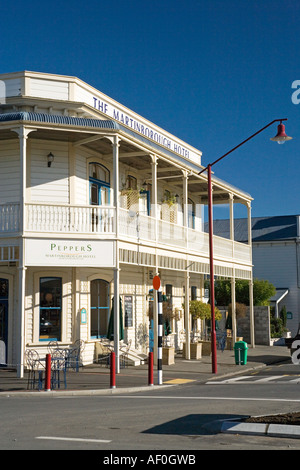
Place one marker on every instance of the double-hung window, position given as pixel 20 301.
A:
pixel 191 214
pixel 99 178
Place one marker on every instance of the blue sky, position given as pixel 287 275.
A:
pixel 210 72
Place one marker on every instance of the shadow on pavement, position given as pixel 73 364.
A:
pixel 269 359
pixel 192 425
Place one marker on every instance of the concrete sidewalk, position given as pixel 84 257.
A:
pixel 94 379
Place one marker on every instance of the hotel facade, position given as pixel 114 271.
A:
pixel 94 202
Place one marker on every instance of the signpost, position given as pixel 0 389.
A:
pixel 156 286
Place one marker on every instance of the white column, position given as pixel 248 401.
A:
pixel 116 312
pixel 21 323
pixel 185 199
pixel 252 335
pixel 233 299
pixel 154 210
pixel 187 275
pixel 231 221
pixel 251 304
pixel 187 316
pixel 249 224
pixel 23 135
pixel 233 308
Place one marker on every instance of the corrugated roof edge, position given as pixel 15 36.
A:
pixel 55 119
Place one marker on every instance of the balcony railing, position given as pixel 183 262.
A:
pixel 70 219
pixel 143 227
pixel 9 217
pixel 100 221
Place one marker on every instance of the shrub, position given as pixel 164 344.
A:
pixel 202 310
pixel 277 327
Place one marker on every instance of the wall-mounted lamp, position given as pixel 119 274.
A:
pixel 50 157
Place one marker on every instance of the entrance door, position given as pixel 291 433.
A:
pixel 3 320
pixel 99 308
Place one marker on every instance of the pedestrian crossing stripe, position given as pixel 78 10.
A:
pixel 250 379
pixel 178 381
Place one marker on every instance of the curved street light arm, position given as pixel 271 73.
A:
pixel 244 141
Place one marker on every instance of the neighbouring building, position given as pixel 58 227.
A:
pixel 94 201
pixel 276 257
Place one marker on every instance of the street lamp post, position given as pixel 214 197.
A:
pixel 280 137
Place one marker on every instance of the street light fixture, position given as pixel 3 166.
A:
pixel 280 137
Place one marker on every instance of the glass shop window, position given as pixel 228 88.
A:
pixel 99 308
pixel 50 308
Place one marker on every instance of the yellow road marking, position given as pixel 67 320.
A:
pixel 178 381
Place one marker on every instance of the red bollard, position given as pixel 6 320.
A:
pixel 150 368
pixel 48 373
pixel 112 370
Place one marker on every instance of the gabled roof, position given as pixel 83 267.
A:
pixel 263 228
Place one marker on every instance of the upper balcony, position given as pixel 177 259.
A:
pixel 100 222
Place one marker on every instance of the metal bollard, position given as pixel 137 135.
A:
pixel 48 373
pixel 150 368
pixel 112 370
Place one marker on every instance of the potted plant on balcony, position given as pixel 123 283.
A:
pixel 169 198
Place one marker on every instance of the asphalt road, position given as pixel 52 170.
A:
pixel 176 419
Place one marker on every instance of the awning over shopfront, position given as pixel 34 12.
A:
pixel 280 294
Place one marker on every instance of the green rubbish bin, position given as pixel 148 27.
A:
pixel 240 352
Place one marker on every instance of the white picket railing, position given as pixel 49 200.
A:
pixel 9 217
pixel 69 219
pixel 100 220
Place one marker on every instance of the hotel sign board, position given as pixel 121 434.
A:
pixel 114 110
pixel 75 253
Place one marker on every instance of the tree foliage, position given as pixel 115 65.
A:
pixel 263 290
pixel 202 310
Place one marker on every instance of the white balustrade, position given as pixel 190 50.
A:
pixel 69 219
pixel 9 217
pixel 55 218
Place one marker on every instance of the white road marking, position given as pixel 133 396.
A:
pixel 52 438
pixel 254 380
pixel 267 379
pixel 295 380
pixel 136 397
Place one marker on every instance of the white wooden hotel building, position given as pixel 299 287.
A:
pixel 94 201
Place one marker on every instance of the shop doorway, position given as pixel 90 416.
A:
pixel 99 308
pixel 3 321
